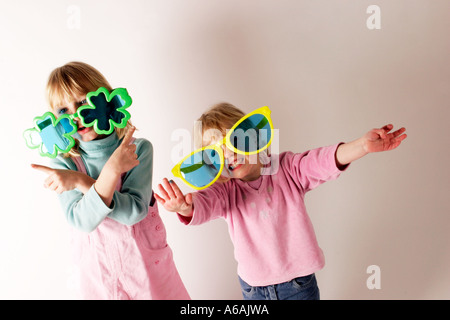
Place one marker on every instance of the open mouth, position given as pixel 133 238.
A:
pixel 235 165
pixel 82 130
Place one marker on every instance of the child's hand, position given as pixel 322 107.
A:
pixel 377 140
pixel 64 180
pixel 124 158
pixel 173 199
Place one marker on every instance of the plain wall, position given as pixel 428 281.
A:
pixel 327 78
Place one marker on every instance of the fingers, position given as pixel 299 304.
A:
pixel 165 195
pixel 395 137
pixel 48 182
pixel 172 189
pixel 189 198
pixel 383 132
pixel 44 169
pixel 402 137
pixel 52 185
pixel 132 147
pixel 399 137
pixel 159 199
pixel 388 128
pixel 399 132
pixel 396 133
pixel 171 196
pixel 380 132
pixel 176 189
pixel 129 147
pixel 169 189
pixel 128 136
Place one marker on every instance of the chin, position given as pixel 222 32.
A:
pixel 239 174
pixel 89 137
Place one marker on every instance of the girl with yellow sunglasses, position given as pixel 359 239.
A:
pixel 274 240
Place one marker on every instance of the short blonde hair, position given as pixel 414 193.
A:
pixel 71 79
pixel 215 122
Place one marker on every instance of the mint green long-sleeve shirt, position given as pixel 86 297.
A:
pixel 129 206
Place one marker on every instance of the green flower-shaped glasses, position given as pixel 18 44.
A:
pixel 105 111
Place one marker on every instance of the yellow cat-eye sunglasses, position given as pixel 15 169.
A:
pixel 252 134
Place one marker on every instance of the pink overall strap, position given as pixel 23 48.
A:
pixel 79 164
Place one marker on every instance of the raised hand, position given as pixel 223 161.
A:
pixel 124 158
pixel 173 199
pixel 377 140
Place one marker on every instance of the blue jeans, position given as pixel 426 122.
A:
pixel 301 288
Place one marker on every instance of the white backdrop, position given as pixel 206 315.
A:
pixel 327 78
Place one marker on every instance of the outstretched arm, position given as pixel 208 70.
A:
pixel 376 140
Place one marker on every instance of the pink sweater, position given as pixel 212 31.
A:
pixel 274 240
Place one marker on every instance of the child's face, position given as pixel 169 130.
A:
pixel 86 134
pixel 236 166
pixel 240 166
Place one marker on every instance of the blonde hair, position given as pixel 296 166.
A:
pixel 214 123
pixel 75 79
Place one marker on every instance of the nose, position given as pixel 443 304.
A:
pixel 75 117
pixel 227 153
pixel 76 120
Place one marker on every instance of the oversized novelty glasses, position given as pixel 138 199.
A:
pixel 104 111
pixel 250 135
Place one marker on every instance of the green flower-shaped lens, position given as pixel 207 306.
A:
pixel 51 135
pixel 106 110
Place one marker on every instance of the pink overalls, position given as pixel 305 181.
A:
pixel 127 262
